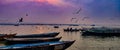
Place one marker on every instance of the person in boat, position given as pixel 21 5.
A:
pixel 70 29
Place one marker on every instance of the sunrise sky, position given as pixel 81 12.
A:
pixel 60 11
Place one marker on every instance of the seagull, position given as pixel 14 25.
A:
pixel 78 11
pixel 76 20
pixel 21 20
pixel 26 14
pixel 72 19
pixel 84 18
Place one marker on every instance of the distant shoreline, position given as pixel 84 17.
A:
pixel 38 24
pixel 15 24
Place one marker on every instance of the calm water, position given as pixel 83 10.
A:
pixel 82 43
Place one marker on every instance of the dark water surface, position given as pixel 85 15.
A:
pixel 82 43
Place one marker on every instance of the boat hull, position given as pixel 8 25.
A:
pixel 2 36
pixel 89 33
pixel 47 46
pixel 30 40
pixel 71 30
pixel 38 35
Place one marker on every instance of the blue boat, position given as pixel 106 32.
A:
pixel 56 45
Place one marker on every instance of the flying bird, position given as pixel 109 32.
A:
pixel 84 18
pixel 76 20
pixel 72 19
pixel 21 20
pixel 78 11
pixel 26 14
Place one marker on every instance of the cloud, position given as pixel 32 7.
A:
pixel 52 2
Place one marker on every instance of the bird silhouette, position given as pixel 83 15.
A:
pixel 84 18
pixel 21 20
pixel 26 14
pixel 72 19
pixel 78 11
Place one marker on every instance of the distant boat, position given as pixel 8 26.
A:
pixel 30 40
pixel 71 30
pixel 101 32
pixel 57 45
pixel 56 26
pixel 50 34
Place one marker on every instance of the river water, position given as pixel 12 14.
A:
pixel 81 43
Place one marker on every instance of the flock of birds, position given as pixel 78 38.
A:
pixel 74 19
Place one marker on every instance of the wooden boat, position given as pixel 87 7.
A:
pixel 101 32
pixel 2 36
pixel 6 35
pixel 30 40
pixel 52 34
pixel 56 45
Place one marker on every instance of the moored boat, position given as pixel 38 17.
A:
pixel 57 45
pixel 56 26
pixel 71 30
pixel 101 32
pixel 51 34
pixel 30 40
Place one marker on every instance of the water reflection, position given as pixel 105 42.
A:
pixel 82 42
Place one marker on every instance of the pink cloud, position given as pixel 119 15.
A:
pixel 52 2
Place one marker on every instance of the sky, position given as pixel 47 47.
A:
pixel 61 11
